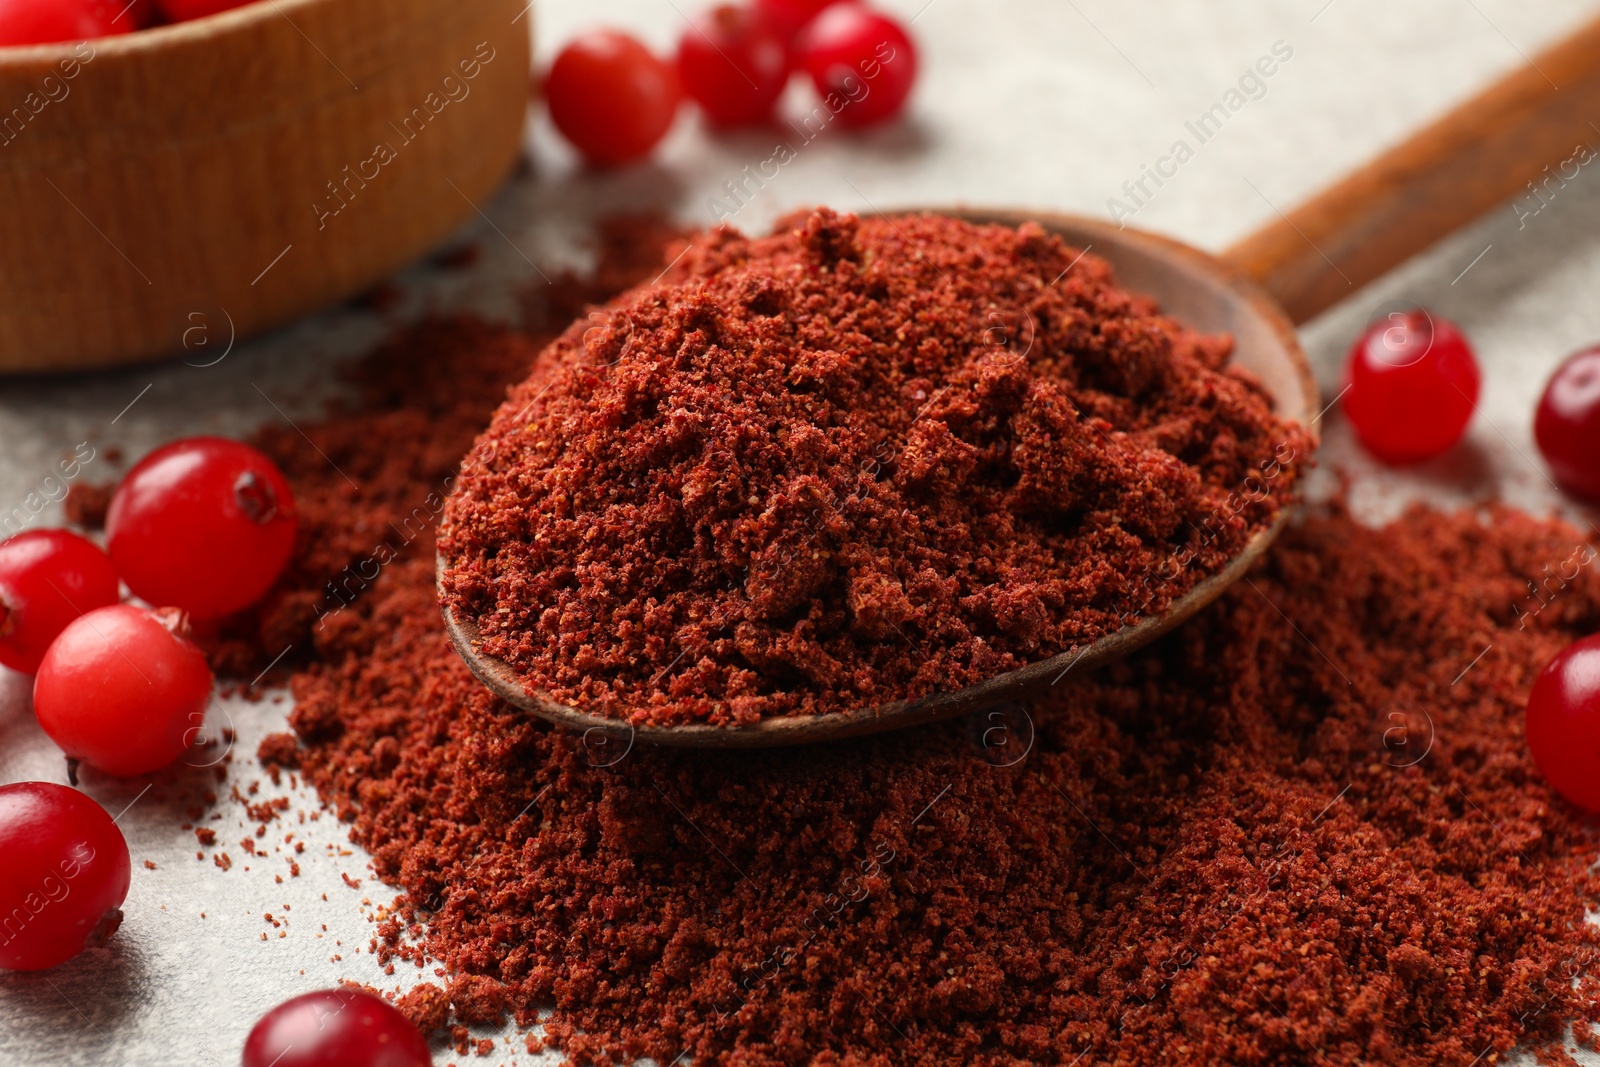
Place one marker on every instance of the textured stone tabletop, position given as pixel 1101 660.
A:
pixel 1049 104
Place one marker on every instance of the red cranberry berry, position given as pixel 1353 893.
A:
pixel 64 878
pixel 335 1028
pixel 204 524
pixel 47 579
pixel 1567 425
pixel 122 692
pixel 24 22
pixel 184 10
pixel 789 17
pixel 1412 386
pixel 611 97
pixel 862 63
pixel 733 64
pixel 1563 722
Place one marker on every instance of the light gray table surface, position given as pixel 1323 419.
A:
pixel 1049 104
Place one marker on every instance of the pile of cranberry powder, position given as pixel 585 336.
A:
pixel 852 463
pixel 1303 830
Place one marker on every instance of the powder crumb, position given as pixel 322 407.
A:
pixel 86 505
pixel 281 750
pixel 427 1006
pixel 478 1001
pixel 267 810
pixel 206 836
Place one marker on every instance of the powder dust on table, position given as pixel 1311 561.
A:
pixel 854 462
pixel 1259 841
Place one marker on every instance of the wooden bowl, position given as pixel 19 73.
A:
pixel 253 165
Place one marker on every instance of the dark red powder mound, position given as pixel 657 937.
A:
pixel 1295 832
pixel 1229 849
pixel 852 463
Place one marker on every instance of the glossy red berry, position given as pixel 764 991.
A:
pixel 47 579
pixel 1564 722
pixel 121 692
pixel 862 63
pixel 25 22
pixel 64 877
pixel 335 1028
pixel 612 97
pixel 184 10
pixel 205 524
pixel 1567 425
pixel 789 17
pixel 1412 386
pixel 733 64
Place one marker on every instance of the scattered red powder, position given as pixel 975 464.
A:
pixel 85 505
pixel 1301 830
pixel 458 258
pixel 478 1001
pixel 852 463
pixel 427 1006
pixel 280 751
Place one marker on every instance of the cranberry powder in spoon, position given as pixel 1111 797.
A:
pixel 854 462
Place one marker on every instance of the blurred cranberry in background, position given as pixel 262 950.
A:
pixel 49 21
pixel 789 17
pixel 183 10
pixel 860 57
pixel 611 96
pixel 733 64
pixel 1567 425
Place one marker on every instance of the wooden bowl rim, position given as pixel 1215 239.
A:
pixel 500 678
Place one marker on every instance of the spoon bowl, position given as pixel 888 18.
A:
pixel 1192 286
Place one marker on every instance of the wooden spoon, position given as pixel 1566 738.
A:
pixel 1473 158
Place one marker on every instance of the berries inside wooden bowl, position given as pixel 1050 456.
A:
pixel 245 167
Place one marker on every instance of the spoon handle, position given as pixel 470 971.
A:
pixel 1524 136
